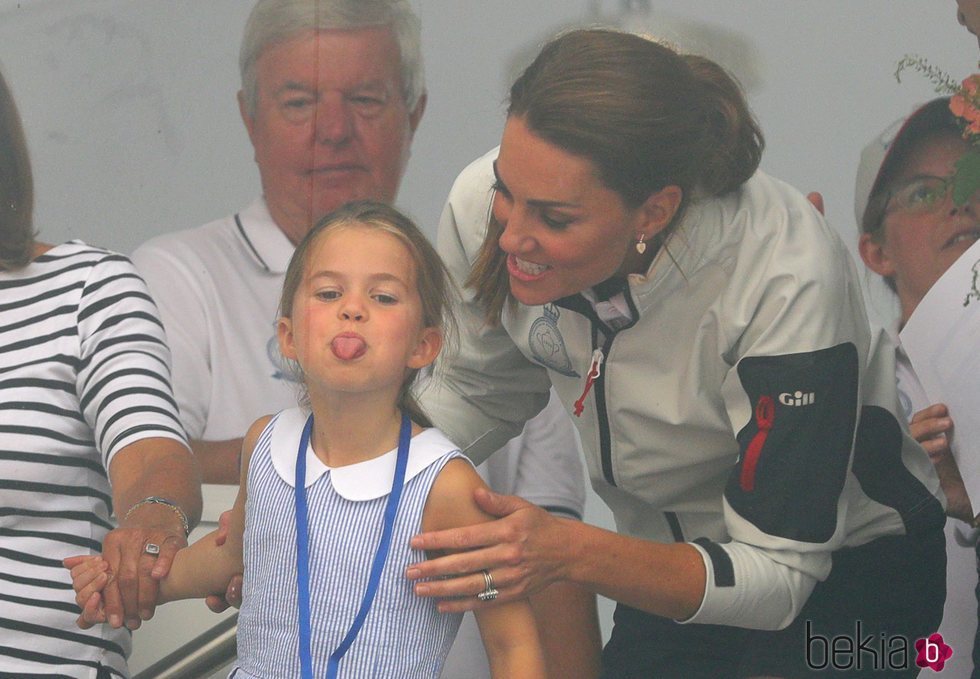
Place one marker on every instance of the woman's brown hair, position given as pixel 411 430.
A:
pixel 16 187
pixel 644 115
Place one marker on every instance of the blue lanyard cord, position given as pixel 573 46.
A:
pixel 303 553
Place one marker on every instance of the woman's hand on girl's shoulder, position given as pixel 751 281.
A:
pixel 522 549
pixel 508 629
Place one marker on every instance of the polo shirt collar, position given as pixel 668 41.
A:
pixel 266 240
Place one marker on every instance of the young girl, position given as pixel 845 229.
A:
pixel 330 499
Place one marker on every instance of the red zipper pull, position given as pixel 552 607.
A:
pixel 765 417
pixel 591 377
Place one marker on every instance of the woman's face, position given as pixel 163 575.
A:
pixel 918 243
pixel 563 230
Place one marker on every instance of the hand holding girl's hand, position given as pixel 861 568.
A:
pixel 233 593
pixel 90 575
pixel 523 552
pixel 131 596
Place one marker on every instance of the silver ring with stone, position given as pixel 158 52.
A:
pixel 490 592
pixel 152 549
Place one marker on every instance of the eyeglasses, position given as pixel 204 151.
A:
pixel 924 195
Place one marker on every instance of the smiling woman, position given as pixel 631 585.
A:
pixel 705 328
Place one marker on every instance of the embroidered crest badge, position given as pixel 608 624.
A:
pixel 547 345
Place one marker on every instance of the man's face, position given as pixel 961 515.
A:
pixel 330 124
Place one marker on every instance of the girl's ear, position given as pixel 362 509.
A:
pixel 875 255
pixel 428 347
pixel 658 210
pixel 284 333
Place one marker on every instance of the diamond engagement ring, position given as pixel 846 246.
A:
pixel 490 592
pixel 152 549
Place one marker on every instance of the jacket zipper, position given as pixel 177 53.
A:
pixel 596 378
pixel 602 417
pixel 595 370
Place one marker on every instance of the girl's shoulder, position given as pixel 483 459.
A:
pixel 451 501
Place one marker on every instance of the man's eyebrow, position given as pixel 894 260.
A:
pixel 294 86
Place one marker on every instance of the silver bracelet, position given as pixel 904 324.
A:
pixel 154 500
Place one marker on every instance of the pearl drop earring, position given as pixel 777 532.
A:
pixel 641 247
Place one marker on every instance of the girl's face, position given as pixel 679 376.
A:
pixel 356 324
pixel 563 230
pixel 923 232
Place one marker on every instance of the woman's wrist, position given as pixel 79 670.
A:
pixel 573 545
pixel 163 507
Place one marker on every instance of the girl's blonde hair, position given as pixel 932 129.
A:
pixel 432 279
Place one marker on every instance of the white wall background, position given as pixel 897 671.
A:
pixel 131 118
pixel 132 121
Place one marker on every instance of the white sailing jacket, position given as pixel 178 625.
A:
pixel 726 414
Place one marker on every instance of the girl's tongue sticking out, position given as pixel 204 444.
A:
pixel 348 347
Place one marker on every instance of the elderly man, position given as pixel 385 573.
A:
pixel 332 93
pixel 322 137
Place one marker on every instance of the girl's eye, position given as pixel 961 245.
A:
pixel 327 294
pixel 385 298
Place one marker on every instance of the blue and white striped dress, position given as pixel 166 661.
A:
pixel 403 636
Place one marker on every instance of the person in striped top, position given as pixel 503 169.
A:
pixel 336 490
pixel 88 428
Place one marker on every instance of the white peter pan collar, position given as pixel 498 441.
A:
pixel 366 480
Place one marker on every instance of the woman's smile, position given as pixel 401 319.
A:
pixel 525 270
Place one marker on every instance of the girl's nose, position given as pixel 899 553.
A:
pixel 352 309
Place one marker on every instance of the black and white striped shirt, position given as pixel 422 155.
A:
pixel 84 372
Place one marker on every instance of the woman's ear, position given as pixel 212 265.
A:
pixel 284 333
pixel 874 253
pixel 428 347
pixel 659 209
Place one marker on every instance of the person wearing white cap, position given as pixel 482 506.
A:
pixel 911 232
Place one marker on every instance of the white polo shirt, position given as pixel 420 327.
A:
pixel 217 287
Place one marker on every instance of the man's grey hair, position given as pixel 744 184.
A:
pixel 274 21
